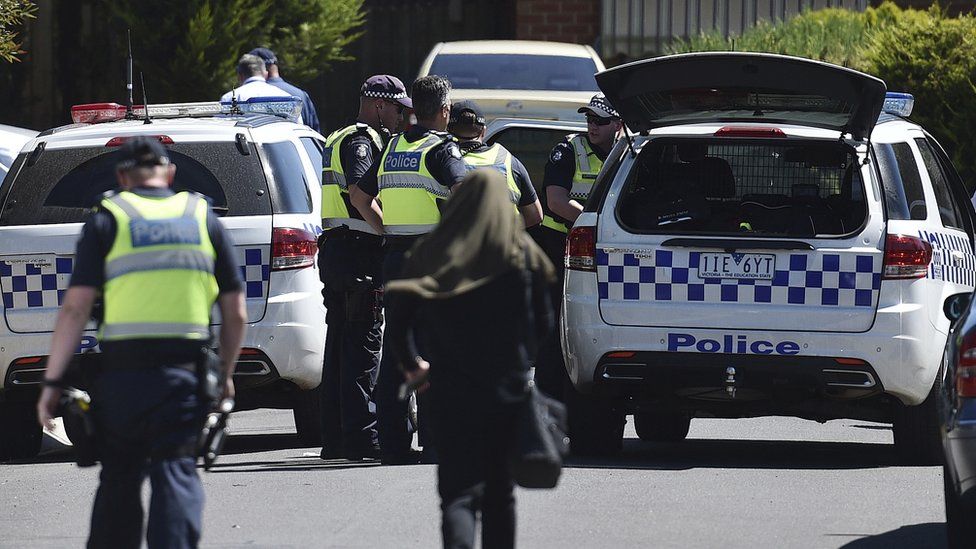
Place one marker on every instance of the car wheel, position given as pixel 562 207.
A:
pixel 20 434
pixel 596 427
pixel 960 528
pixel 308 417
pixel 662 425
pixel 916 429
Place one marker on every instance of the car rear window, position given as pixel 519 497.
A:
pixel 289 189
pixel 765 187
pixel 516 72
pixel 904 198
pixel 63 184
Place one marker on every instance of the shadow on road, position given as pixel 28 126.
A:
pixel 930 535
pixel 743 454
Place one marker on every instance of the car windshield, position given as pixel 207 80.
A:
pixel 763 187
pixel 60 185
pixel 516 72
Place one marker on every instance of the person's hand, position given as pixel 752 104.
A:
pixel 228 391
pixel 418 377
pixel 47 405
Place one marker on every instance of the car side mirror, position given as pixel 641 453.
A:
pixel 956 305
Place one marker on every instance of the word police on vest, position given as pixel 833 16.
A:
pixel 402 162
pixel 150 232
pixel 739 344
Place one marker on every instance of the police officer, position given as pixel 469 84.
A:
pixel 569 176
pixel 350 264
pixel 160 260
pixel 467 124
pixel 411 179
pixel 309 116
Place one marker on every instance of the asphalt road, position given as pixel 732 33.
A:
pixel 771 482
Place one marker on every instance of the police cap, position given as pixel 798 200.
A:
pixel 141 152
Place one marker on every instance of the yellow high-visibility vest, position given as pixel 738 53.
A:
pixel 335 191
pixel 588 166
pixel 409 194
pixel 159 272
pixel 498 158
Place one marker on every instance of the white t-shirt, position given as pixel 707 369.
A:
pixel 256 86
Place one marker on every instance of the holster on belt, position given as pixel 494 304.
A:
pixel 209 377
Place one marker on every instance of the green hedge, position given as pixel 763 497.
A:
pixel 926 53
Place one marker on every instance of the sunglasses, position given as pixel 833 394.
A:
pixel 598 120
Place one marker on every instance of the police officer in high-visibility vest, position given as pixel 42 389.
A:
pixel 350 265
pixel 569 176
pixel 467 124
pixel 160 260
pixel 412 178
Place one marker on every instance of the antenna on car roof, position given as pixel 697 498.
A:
pixel 145 99
pixel 128 78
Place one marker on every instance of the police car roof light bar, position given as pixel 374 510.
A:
pixel 899 104
pixel 288 107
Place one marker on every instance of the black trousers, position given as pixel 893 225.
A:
pixel 550 369
pixel 350 268
pixel 473 440
pixel 147 420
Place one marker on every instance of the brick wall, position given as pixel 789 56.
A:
pixel 576 21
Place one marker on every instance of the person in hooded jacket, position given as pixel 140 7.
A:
pixel 477 287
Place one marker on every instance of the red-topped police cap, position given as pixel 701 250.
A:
pixel 384 86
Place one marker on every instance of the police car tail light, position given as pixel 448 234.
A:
pixel 581 249
pixel 906 257
pixel 292 249
pixel 966 366
pixel 754 132
pixel 118 141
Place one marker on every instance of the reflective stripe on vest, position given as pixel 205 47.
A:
pixel 160 269
pixel 588 166
pixel 499 158
pixel 335 191
pixel 407 190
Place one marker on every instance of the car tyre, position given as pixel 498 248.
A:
pixel 960 528
pixel 916 429
pixel 596 427
pixel 308 417
pixel 20 434
pixel 662 425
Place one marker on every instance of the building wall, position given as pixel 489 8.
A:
pixel 576 21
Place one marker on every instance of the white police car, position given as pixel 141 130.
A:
pixel 771 243
pixel 262 173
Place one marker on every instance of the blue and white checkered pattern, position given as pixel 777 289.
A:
pixel 29 283
pixel 844 280
pixel 255 264
pixel 943 266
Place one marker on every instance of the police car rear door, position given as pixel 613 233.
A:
pixel 756 212
pixel 44 201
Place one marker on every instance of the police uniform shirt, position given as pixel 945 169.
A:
pixel 559 172
pixel 97 237
pixel 443 161
pixel 309 116
pixel 521 175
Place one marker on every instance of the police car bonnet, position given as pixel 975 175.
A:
pixel 743 88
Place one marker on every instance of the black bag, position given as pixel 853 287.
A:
pixel 536 458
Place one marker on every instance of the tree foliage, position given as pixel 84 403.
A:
pixel 923 52
pixel 12 16
pixel 188 49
